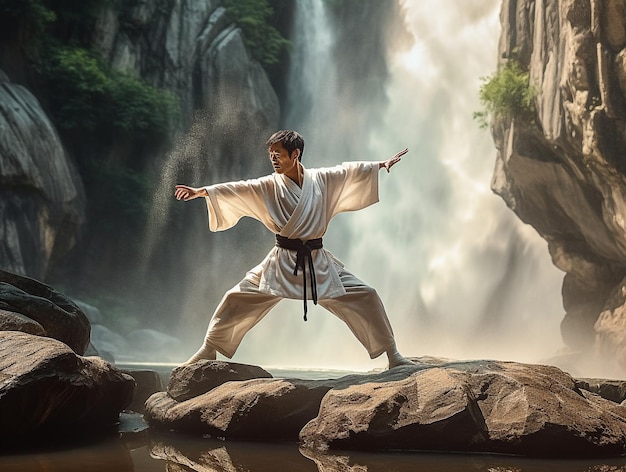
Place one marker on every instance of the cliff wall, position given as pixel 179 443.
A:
pixel 42 204
pixel 191 48
pixel 563 172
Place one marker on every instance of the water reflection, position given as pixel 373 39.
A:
pixel 205 455
pixel 105 456
pixel 183 454
pixel 176 453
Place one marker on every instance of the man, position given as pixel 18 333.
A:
pixel 296 204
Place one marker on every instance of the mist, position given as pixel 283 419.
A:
pixel 460 275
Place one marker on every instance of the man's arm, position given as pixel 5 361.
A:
pixel 183 192
pixel 389 163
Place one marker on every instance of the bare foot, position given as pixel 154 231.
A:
pixel 203 353
pixel 396 359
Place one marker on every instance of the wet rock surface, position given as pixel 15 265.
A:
pixel 477 406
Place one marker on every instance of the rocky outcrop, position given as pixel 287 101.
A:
pixel 193 49
pixel 46 388
pixel 30 306
pixel 480 406
pixel 564 172
pixel 41 196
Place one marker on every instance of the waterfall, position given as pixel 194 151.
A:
pixel 459 274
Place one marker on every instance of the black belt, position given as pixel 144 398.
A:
pixel 303 252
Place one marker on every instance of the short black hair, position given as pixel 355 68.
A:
pixel 290 139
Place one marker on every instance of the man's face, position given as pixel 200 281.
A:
pixel 280 158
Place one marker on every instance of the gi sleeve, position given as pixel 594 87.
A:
pixel 352 186
pixel 228 202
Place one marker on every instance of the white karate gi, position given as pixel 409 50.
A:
pixel 297 213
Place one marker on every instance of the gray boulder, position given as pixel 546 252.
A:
pixel 47 388
pixel 614 390
pixel 58 315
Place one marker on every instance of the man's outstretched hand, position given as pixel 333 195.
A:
pixel 389 163
pixel 183 192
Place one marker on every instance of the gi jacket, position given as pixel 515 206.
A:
pixel 296 213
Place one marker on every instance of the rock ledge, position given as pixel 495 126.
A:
pixel 477 406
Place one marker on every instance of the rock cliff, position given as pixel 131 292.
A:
pixel 41 196
pixel 228 108
pixel 563 172
pixel 188 47
pixel 193 49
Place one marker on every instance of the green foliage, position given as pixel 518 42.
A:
pixel 261 38
pixel 94 106
pixel 78 86
pixel 87 96
pixel 507 92
pixel 139 108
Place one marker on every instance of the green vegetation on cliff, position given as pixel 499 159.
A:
pixel 507 92
pixel 108 119
pixel 262 39
pixel 87 96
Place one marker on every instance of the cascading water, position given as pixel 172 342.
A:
pixel 459 274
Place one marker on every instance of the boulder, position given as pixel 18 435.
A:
pixel 60 318
pixel 614 390
pixel 189 381
pixel 480 406
pixel 258 410
pixel 147 382
pixel 474 406
pixel 11 321
pixel 46 388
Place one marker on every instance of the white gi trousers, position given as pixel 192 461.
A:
pixel 243 306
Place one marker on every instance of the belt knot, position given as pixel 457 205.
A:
pixel 304 251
